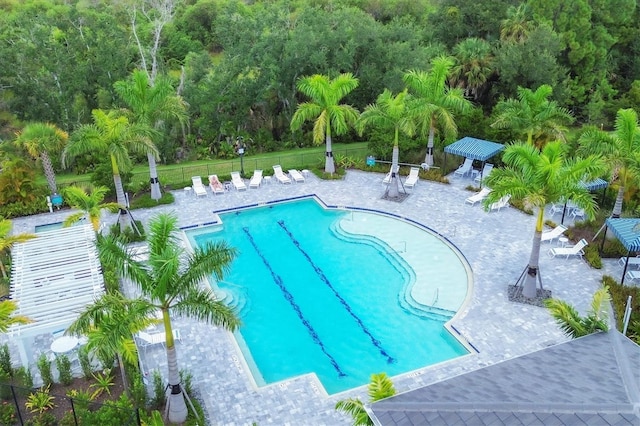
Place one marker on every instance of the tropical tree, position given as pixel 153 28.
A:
pixel 7 241
pixel 326 110
pixel 473 66
pixel 170 282
pixel 152 103
pixel 515 28
pixel 574 325
pixel 538 178
pixel 39 139
pixel 533 115
pixel 381 387
pixel 435 102
pixel 390 113
pixel 619 150
pixel 89 201
pixel 115 136
pixel 7 318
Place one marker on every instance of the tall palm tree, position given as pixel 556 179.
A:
pixel 7 318
pixel 152 105
pixel 326 110
pixel 39 139
pixel 572 323
pixel 538 178
pixel 515 28
pixel 115 136
pixel 170 281
pixel 533 115
pixel 380 387
pixel 391 113
pixel 473 66
pixel 7 241
pixel 619 150
pixel 436 102
pixel 89 201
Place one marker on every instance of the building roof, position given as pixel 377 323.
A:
pixel 593 380
pixel 54 276
pixel 477 149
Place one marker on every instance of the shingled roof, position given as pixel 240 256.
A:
pixel 593 380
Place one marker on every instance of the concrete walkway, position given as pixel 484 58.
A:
pixel 496 245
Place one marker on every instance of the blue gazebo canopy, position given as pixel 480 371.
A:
pixel 626 230
pixel 476 149
pixel 595 184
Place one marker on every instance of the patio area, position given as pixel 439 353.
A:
pixel 496 245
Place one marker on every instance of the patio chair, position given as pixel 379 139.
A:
pixel 633 261
pixel 160 338
pixel 198 186
pixel 502 202
pixel 238 182
pixel 478 196
pixel 296 175
pixel 553 234
pixel 633 275
pixel 413 177
pixel 575 250
pixel 577 213
pixel 465 168
pixel 387 178
pixel 486 171
pixel 279 174
pixel 555 208
pixel 256 179
pixel 215 185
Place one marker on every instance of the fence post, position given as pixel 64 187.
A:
pixel 73 410
pixel 15 401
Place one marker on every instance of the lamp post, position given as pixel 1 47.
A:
pixel 240 146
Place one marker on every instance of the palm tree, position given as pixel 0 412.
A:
pixel 170 282
pixel 115 136
pixel 473 67
pixel 7 318
pixel 39 139
pixel 572 323
pixel 390 113
pixel 533 115
pixel 326 110
pixel 435 102
pixel 7 241
pixel 381 387
pixel 538 178
pixel 619 151
pixel 515 28
pixel 152 105
pixel 89 201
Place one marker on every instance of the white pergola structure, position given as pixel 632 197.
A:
pixel 53 278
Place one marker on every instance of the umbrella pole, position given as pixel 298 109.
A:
pixel 624 271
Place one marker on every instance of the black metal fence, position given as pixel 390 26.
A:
pixel 22 406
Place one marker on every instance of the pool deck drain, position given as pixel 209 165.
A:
pixel 496 244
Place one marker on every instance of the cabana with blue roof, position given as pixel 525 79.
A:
pixel 627 231
pixel 476 149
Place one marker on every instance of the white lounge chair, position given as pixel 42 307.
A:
pixel 502 202
pixel 486 171
pixel 296 175
pixel 553 234
pixel 256 179
pixel 577 213
pixel 575 250
pixel 160 338
pixel 387 178
pixel 633 275
pixel 238 182
pixel 279 174
pixel 413 177
pixel 465 168
pixel 215 185
pixel 478 196
pixel 198 187
pixel 633 261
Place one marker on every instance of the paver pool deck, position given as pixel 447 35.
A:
pixel 496 245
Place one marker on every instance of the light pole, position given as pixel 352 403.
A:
pixel 240 146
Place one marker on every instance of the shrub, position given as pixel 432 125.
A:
pixel 592 256
pixel 24 208
pixel 619 295
pixel 159 390
pixel 23 378
pixel 85 362
pixel 145 201
pixel 5 360
pixel 129 235
pixel 186 378
pixel 64 370
pixel 518 204
pixel 44 366
pixel 7 413
pixel 138 391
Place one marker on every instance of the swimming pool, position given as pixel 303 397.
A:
pixel 337 293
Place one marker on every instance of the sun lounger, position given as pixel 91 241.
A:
pixel 575 250
pixel 279 174
pixel 413 177
pixel 553 234
pixel 633 275
pixel 256 179
pixel 502 202
pixel 238 182
pixel 198 186
pixel 633 261
pixel 465 168
pixel 486 171
pixel 478 196
pixel 215 185
pixel 296 175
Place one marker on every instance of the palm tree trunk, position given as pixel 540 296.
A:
pixel 49 172
pixel 125 383
pixel 617 207
pixel 429 157
pixel 176 405
pixel 329 165
pixel 156 194
pixel 531 278
pixel 394 191
pixel 124 219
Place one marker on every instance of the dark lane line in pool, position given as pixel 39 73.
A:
pixel 289 297
pixel 344 303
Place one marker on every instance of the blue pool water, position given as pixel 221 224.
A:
pixel 313 301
